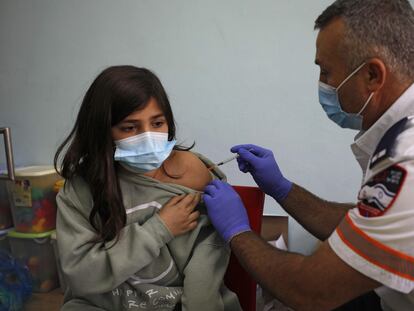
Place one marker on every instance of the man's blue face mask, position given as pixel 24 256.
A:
pixel 144 152
pixel 329 100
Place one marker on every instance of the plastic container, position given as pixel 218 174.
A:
pixel 4 241
pixel 33 199
pixel 36 252
pixel 59 267
pixel 6 220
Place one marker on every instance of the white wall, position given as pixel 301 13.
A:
pixel 236 71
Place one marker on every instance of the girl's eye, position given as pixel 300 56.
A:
pixel 158 124
pixel 127 129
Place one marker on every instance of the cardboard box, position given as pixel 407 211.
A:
pixel 274 226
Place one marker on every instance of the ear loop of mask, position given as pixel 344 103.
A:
pixel 366 104
pixel 349 77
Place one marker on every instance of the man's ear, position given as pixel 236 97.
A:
pixel 376 74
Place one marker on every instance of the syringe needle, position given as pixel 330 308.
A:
pixel 228 160
pixel 224 162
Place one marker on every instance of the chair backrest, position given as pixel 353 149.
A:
pixel 236 278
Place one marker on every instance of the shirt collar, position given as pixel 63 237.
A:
pixel 367 141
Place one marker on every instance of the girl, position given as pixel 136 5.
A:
pixel 132 233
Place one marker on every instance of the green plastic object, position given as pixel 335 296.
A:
pixel 15 234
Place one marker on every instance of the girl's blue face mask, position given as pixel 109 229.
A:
pixel 329 100
pixel 144 152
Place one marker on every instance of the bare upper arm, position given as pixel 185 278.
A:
pixel 191 171
pixel 333 282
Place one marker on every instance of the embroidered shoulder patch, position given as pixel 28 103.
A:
pixel 386 150
pixel 380 192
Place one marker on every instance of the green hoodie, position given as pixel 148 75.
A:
pixel 147 269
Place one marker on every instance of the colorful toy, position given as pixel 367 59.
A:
pixel 33 263
pixel 58 185
pixel 47 285
pixel 33 198
pixel 15 283
pixel 40 216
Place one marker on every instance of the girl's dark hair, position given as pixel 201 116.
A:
pixel 89 150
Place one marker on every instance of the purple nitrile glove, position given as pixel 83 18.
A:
pixel 225 209
pixel 261 163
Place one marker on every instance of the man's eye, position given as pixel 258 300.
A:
pixel 324 72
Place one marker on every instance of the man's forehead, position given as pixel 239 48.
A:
pixel 328 42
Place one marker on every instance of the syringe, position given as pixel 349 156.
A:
pixel 224 162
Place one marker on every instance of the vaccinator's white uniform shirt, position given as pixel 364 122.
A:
pixel 377 237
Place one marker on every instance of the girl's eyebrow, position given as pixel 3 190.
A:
pixel 132 121
pixel 158 116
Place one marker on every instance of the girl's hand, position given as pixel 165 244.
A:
pixel 179 215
